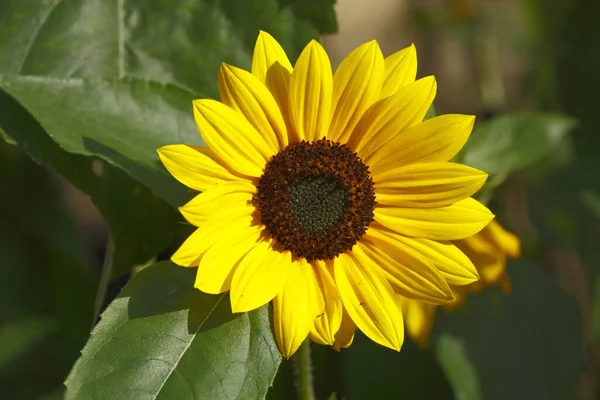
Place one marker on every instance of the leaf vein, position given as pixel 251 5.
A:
pixel 121 38
pixel 200 325
pixel 35 35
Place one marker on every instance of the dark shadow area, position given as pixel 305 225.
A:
pixel 161 288
pixel 166 288
pixel 495 329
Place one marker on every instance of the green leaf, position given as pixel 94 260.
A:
pixel 524 345
pixel 141 224
pixel 516 141
pixel 120 121
pixel 182 45
pixel 161 338
pixel 451 354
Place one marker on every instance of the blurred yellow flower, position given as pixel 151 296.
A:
pixel 488 250
pixel 327 193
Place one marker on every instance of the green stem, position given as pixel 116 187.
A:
pixel 304 378
pixel 104 278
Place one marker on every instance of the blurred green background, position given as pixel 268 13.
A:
pixel 527 68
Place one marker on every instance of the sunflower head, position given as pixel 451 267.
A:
pixel 302 196
pixel 327 194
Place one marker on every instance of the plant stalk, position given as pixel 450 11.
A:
pixel 104 278
pixel 304 378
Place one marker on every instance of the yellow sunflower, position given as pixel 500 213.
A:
pixel 488 250
pixel 324 192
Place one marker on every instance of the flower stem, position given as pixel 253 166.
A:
pixel 104 278
pixel 304 378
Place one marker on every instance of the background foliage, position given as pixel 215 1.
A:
pixel 89 89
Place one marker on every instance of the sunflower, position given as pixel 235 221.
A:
pixel 489 250
pixel 327 194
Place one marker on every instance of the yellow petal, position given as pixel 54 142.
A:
pixel 427 184
pixel 460 220
pixel 272 67
pixel 218 264
pixel 389 117
pixel 400 70
pixel 418 319
pixel 296 307
pixel 310 93
pixel 327 324
pixel 477 243
pixel 221 224
pixel 196 167
pixel 488 258
pixel 506 241
pixel 242 91
pixel 435 140
pixel 188 254
pixel 369 300
pixel 453 264
pixel 409 273
pixel 213 228
pixel 268 52
pixel 492 273
pixel 233 205
pixel 345 335
pixel 356 86
pixel 226 132
pixel 259 277
pixel 222 197
pixel 317 336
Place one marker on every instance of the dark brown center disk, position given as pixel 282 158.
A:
pixel 316 199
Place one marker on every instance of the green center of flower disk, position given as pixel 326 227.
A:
pixel 316 199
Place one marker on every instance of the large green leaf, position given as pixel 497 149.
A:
pixel 142 224
pixel 524 345
pixel 161 338
pixel 71 46
pixel 515 141
pixel 181 44
pixel 121 121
